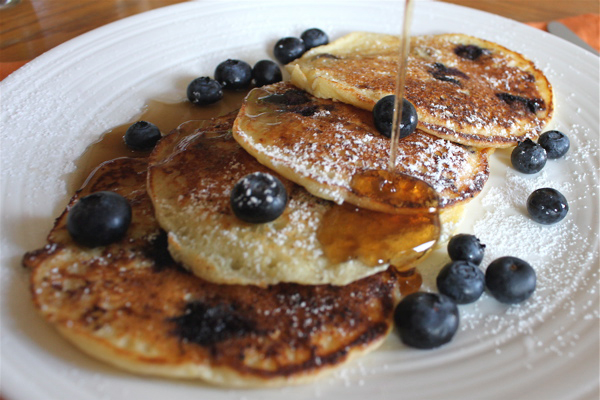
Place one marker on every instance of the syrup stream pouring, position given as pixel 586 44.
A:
pixel 400 80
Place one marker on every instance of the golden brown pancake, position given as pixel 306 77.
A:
pixel 191 174
pixel 130 305
pixel 324 145
pixel 465 89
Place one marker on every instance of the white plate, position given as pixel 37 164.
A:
pixel 58 104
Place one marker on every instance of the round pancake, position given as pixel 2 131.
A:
pixel 465 89
pixel 191 174
pixel 323 145
pixel 129 304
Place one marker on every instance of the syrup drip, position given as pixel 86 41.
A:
pixel 399 193
pixel 410 281
pixel 374 238
pixel 401 238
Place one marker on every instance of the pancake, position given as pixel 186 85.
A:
pixel 467 90
pixel 191 174
pixel 324 145
pixel 130 305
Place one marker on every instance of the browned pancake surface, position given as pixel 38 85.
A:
pixel 465 89
pixel 130 305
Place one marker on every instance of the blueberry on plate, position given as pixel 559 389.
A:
pixel 528 157
pixel 466 247
pixel 258 198
pixel 266 72
pixel 462 281
pixel 288 49
pixel 99 219
pixel 426 320
pixel 234 74
pixel 314 37
pixel 547 206
pixel 555 143
pixel 510 280
pixel 204 91
pixel 383 116
pixel 142 135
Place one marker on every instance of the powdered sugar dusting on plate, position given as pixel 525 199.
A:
pixel 556 252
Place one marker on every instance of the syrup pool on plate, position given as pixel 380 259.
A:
pixel 167 116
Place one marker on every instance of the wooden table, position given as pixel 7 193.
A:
pixel 32 27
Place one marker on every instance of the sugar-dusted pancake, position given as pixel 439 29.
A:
pixel 465 89
pixel 191 174
pixel 324 145
pixel 130 305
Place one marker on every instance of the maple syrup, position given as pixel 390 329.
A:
pixel 400 82
pixel 167 116
pixel 401 238
pixel 398 193
pixel 410 281
pixel 374 238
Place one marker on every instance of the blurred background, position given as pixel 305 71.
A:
pixel 28 28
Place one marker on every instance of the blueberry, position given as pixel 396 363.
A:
pixel 444 73
pixel 383 116
pixel 314 37
pixel 547 206
pixel 426 320
pixel 531 105
pixel 510 280
pixel 466 247
pixel 288 49
pixel 99 219
pixel 204 91
pixel 469 51
pixel 528 157
pixel 234 74
pixel 555 143
pixel 142 135
pixel 258 198
pixel 266 72
pixel 462 281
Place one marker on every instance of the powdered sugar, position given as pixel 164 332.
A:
pixel 556 252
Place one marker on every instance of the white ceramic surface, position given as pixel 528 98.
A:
pixel 55 106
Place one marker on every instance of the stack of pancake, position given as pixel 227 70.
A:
pixel 194 292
